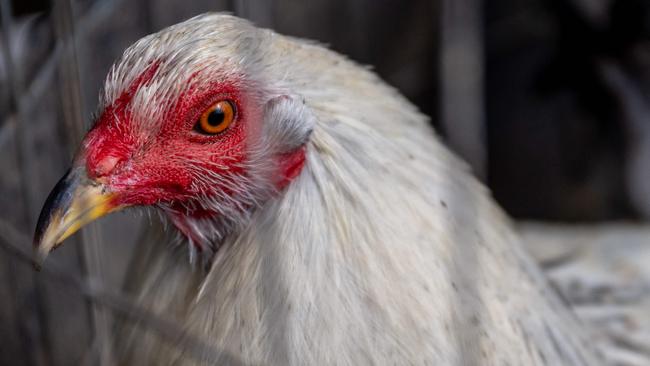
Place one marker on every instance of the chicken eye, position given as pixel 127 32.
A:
pixel 217 118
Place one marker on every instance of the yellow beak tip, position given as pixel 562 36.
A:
pixel 74 202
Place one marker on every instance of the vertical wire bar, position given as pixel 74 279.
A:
pixel 14 79
pixel 33 332
pixel 90 246
pixel 10 266
pixel 461 80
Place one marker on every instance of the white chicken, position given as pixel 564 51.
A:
pixel 335 227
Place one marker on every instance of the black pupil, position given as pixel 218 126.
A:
pixel 216 117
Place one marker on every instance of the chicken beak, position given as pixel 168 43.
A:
pixel 74 202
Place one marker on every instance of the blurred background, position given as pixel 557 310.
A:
pixel 548 101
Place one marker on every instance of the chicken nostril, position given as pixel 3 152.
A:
pixel 106 166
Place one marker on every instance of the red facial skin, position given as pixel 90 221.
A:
pixel 156 169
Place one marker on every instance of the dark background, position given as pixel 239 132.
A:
pixel 548 100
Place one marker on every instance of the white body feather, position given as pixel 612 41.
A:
pixel 384 250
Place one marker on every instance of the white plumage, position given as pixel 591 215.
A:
pixel 384 250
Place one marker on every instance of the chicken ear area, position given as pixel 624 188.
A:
pixel 288 123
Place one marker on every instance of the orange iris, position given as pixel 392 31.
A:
pixel 217 118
